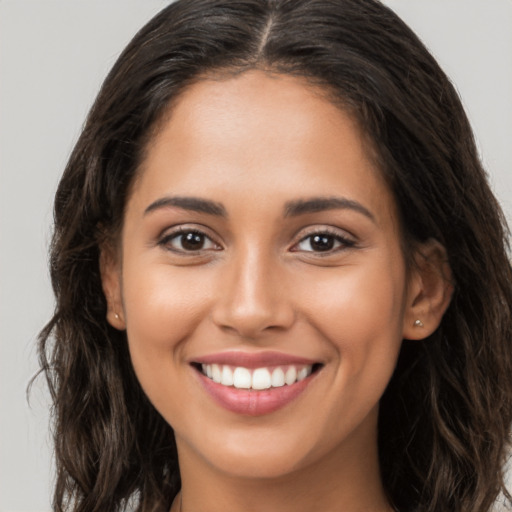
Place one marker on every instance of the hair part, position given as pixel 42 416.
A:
pixel 445 417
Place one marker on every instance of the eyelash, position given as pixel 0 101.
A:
pixel 180 233
pixel 333 237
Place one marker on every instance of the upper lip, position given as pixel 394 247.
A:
pixel 253 359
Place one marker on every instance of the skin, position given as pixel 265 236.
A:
pixel 254 144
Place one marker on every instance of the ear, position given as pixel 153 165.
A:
pixel 110 270
pixel 429 292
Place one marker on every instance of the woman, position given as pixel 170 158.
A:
pixel 282 280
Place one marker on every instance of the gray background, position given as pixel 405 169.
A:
pixel 53 57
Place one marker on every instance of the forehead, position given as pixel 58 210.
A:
pixel 260 136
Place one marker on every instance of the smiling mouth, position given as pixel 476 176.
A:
pixel 257 379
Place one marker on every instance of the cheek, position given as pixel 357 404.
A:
pixel 162 305
pixel 359 310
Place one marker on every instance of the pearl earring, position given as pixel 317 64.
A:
pixel 418 323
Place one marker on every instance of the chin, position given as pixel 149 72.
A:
pixel 252 464
pixel 251 452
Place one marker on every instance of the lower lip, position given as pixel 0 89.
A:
pixel 253 402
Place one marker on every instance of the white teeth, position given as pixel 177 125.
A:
pixel 257 379
pixel 227 376
pixel 242 378
pixel 207 370
pixel 302 374
pixel 277 378
pixel 261 379
pixel 216 373
pixel 290 375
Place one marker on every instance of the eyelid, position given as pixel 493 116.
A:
pixel 175 231
pixel 346 239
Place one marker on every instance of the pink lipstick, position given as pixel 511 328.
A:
pixel 254 383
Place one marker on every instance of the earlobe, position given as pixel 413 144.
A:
pixel 429 292
pixel 111 283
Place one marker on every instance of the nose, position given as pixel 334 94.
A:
pixel 252 297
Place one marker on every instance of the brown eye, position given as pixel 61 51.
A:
pixel 188 241
pixel 323 242
pixel 192 241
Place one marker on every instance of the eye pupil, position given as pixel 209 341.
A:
pixel 192 241
pixel 322 242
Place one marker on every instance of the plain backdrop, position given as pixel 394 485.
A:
pixel 53 57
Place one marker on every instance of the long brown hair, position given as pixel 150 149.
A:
pixel 446 414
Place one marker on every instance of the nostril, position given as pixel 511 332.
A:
pixel 251 322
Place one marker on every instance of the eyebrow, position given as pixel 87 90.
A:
pixel 194 204
pixel 319 204
pixel 292 208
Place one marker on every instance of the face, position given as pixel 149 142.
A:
pixel 261 280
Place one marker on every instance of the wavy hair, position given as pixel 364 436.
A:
pixel 445 417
